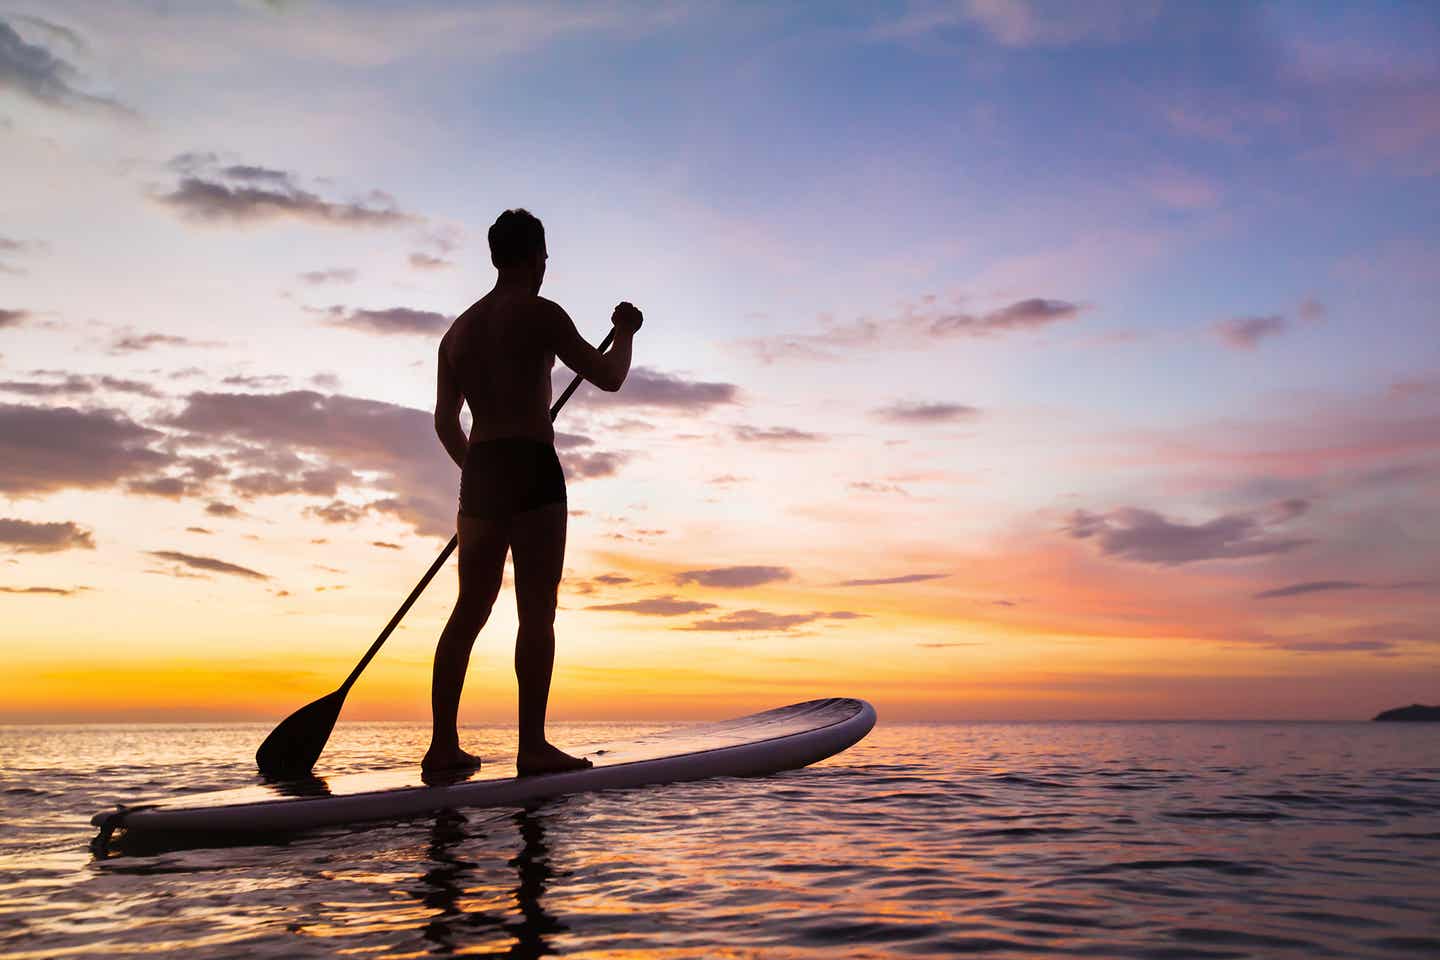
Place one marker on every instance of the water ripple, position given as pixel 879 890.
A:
pixel 1087 840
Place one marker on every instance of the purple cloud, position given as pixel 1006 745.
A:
pixel 891 581
pixel 44 449
pixel 920 413
pixel 393 321
pixel 25 536
pixel 1145 536
pixel 1244 333
pixel 734 577
pixel 764 621
pixel 207 563
pixel 666 606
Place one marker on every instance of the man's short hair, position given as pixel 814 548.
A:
pixel 515 237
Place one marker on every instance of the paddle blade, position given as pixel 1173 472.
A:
pixel 293 747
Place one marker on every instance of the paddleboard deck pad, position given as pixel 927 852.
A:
pixel 786 738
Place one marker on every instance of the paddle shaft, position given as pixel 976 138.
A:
pixel 445 554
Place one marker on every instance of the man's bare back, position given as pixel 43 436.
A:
pixel 501 361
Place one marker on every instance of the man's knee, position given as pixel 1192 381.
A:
pixel 537 612
pixel 474 607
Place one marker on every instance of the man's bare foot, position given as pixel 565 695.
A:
pixel 439 761
pixel 548 759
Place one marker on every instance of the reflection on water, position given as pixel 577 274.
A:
pixel 1111 840
pixel 452 927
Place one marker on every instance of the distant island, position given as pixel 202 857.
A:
pixel 1414 712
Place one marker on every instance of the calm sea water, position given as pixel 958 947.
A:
pixel 1028 840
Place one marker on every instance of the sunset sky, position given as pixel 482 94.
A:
pixel 1002 359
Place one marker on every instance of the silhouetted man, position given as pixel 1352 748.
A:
pixel 497 357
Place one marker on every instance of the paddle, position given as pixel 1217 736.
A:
pixel 293 747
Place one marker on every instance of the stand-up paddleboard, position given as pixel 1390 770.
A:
pixel 783 739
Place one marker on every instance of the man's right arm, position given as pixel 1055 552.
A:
pixel 606 370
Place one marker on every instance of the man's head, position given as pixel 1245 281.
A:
pixel 517 245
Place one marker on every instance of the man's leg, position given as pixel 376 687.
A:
pixel 482 564
pixel 537 544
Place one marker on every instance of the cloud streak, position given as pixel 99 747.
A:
pixel 209 564
pixel 924 413
pixel 915 327
pixel 893 581
pixel 666 606
pixel 764 621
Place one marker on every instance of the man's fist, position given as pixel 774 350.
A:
pixel 626 318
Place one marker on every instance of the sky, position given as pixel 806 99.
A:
pixel 1003 359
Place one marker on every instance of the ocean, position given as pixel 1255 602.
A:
pixel 1156 840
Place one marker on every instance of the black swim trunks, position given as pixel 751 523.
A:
pixel 509 475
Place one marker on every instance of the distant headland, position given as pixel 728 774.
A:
pixel 1414 712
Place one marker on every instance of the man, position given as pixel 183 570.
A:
pixel 497 357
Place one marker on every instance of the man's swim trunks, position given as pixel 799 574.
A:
pixel 509 475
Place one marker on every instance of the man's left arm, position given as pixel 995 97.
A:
pixel 447 411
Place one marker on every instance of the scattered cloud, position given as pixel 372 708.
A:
pixel 666 606
pixel 207 563
pixel 217 508
pixel 73 383
pixel 1331 586
pixel 32 71
pixel 1245 333
pixel 919 413
pixel 242 194
pixel 779 435
pixel 44 449
pixel 330 275
pixel 13 318
pixel 385 545
pixel 647 387
pixel 591 466
pixel 256 381
pixel 872 486
pixel 1381 639
pixel 1026 23
pixel 136 342
pixel 1144 536
pixel 171 488
pixel 44 591
pixel 25 536
pixel 892 581
pixel 764 621
pixel 426 261
pixel 734 577
pixel 337 511
pixel 917 325
pixel 612 579
pixel 393 321
pixel 1313 586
